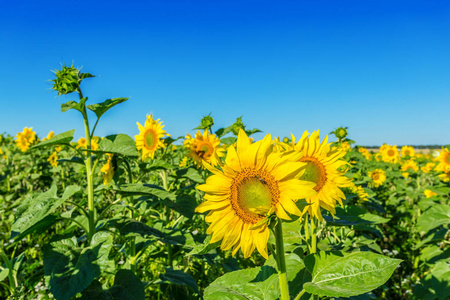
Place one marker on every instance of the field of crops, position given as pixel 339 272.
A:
pixel 217 214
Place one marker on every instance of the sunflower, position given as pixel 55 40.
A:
pixel 410 165
pixel 95 143
pixel 149 138
pixel 323 165
pixel 407 151
pixel 25 139
pixel 345 146
pixel 49 136
pixel 204 147
pixel 254 183
pixel 107 170
pixel 378 177
pixel 389 154
pixel 82 143
pixel 429 193
pixel 443 160
pixel 362 194
pixel 405 175
pixel 428 167
pixel 53 159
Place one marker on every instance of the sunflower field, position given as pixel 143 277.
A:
pixel 217 214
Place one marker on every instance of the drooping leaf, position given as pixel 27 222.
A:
pixel 434 217
pixel 353 215
pixel 119 144
pixel 184 204
pixel 61 139
pixel 37 208
pixel 143 189
pixel 100 108
pixel 128 226
pixel 335 274
pixel 74 105
pixel 441 280
pixel 75 159
pixel 172 276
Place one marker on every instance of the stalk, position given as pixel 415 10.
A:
pixel 313 236
pixel 281 261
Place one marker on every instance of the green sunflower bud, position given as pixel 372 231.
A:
pixel 207 122
pixel 68 80
pixel 340 133
pixel 237 126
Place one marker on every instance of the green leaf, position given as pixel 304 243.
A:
pixel 143 189
pixel 35 209
pixel 249 284
pixel 75 159
pixel 190 173
pixel 432 237
pixel 434 217
pixel 205 247
pixel 127 286
pixel 156 164
pixel 61 139
pixel 3 274
pixel 177 277
pixel 74 105
pixel 128 227
pixel 353 215
pixel 118 143
pixel 335 274
pixel 441 280
pixel 69 269
pixel 228 140
pixel 184 204
pixel 100 108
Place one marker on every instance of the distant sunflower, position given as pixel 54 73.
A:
pixel 410 165
pixel 49 136
pixel 149 138
pixel 254 183
pixel 362 194
pixel 378 177
pixel 407 151
pixel 428 167
pixel 53 159
pixel 95 143
pixel 429 193
pixel 405 175
pixel 323 165
pixel 25 139
pixel 390 154
pixel 82 143
pixel 204 147
pixel 443 160
pixel 107 170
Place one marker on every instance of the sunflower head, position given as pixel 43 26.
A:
pixel 429 193
pixel 108 169
pixel 407 151
pixel 378 177
pixel 206 123
pixel 150 137
pixel 237 126
pixel 443 160
pixel 254 183
pixel 204 147
pixel 53 159
pixel 82 143
pixel 341 133
pixel 389 154
pixel 49 136
pixel 410 165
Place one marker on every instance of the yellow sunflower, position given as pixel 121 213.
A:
pixel 107 170
pixel 53 159
pixel 95 143
pixel 429 193
pixel 362 194
pixel 82 143
pixel 323 165
pixel 378 177
pixel 254 183
pixel 25 139
pixel 409 165
pixel 204 147
pixel 407 151
pixel 149 138
pixel 390 154
pixel 405 175
pixel 428 167
pixel 443 160
pixel 49 136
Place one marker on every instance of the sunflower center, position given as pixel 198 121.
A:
pixel 447 159
pixel 204 150
pixel 315 172
pixel 391 152
pixel 150 139
pixel 375 176
pixel 407 153
pixel 253 194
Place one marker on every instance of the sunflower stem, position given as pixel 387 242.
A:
pixel 313 236
pixel 306 226
pixel 281 261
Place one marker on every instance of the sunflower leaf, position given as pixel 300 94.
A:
pixel 437 215
pixel 74 105
pixel 100 108
pixel 337 274
pixel 118 143
pixel 61 139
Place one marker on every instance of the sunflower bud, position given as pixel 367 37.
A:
pixel 68 80
pixel 207 122
pixel 237 126
pixel 340 133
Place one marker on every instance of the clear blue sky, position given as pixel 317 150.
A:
pixel 382 68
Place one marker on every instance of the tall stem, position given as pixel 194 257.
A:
pixel 313 236
pixel 89 174
pixel 281 261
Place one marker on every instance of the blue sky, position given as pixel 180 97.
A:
pixel 382 68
